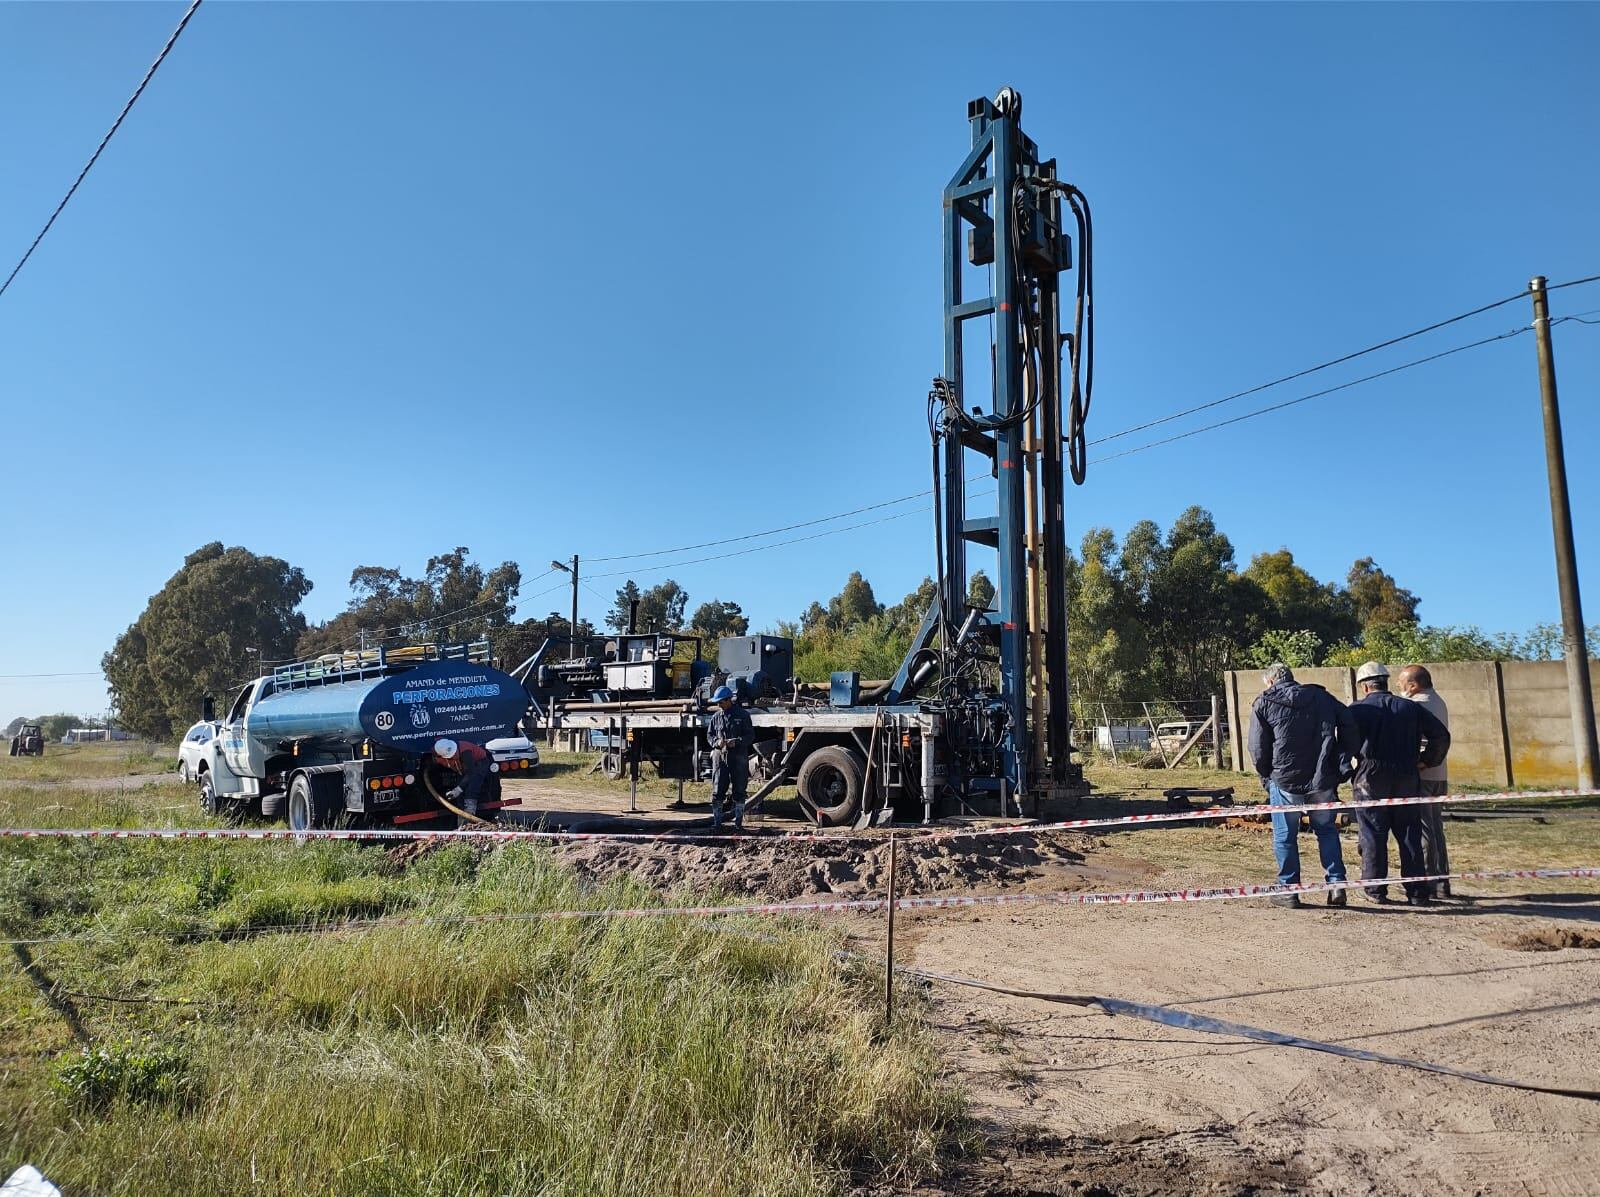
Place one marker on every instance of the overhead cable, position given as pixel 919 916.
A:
pixel 14 676
pixel 1101 440
pixel 104 141
pixel 1262 411
pixel 711 544
pixel 777 544
pixel 1488 307
pixel 1349 357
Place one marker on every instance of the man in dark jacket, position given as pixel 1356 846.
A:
pixel 1398 739
pixel 471 768
pixel 730 733
pixel 1300 736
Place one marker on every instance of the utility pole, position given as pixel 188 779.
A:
pixel 572 650
pixel 1579 692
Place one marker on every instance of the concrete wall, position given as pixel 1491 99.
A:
pixel 1510 724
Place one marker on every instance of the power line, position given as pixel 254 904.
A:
pixel 1349 357
pixel 421 624
pixel 1261 411
pixel 13 676
pixel 1182 435
pixel 1125 432
pixel 104 141
pixel 1573 282
pixel 711 544
pixel 777 544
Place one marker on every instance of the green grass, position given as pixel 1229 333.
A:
pixel 591 1056
pixel 165 804
pixel 62 762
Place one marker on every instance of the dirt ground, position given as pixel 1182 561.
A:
pixel 1503 979
pixel 1069 1091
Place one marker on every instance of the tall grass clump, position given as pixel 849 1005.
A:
pixel 461 1055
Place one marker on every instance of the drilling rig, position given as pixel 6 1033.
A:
pixel 978 711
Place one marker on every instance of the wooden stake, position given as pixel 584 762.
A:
pixel 888 971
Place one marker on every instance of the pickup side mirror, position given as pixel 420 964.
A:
pixel 208 708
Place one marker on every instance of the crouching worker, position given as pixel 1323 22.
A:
pixel 471 768
pixel 730 734
pixel 1300 736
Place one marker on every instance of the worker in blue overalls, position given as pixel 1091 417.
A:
pixel 730 734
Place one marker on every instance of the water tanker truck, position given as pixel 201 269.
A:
pixel 346 739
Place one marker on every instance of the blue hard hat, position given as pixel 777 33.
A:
pixel 722 692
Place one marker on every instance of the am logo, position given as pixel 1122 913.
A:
pixel 420 716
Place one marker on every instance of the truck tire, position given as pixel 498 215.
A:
pixel 208 794
pixel 272 805
pixel 830 782
pixel 313 803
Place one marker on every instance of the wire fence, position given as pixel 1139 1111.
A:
pixel 1153 733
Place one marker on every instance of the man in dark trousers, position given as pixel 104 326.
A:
pixel 471 768
pixel 1398 739
pixel 1300 736
pixel 730 733
pixel 1416 683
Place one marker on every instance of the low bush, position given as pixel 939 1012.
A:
pixel 138 1075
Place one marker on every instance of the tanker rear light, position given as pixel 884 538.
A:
pixel 905 740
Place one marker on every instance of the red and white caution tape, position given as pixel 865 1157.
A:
pixel 1252 810
pixel 868 905
pixel 1259 810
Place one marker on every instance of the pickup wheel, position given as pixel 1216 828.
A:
pixel 830 782
pixel 314 804
pixel 208 795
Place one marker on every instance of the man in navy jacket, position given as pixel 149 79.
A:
pixel 1398 739
pixel 1300 736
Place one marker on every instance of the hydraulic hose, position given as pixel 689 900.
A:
pixel 427 780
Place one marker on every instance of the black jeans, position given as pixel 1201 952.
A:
pixel 1374 826
pixel 729 770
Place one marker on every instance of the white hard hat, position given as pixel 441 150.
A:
pixel 1371 670
pixel 445 750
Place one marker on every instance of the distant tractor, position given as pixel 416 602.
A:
pixel 29 741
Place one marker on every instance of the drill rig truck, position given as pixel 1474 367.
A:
pixel 978 711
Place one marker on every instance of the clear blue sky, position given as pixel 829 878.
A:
pixel 358 283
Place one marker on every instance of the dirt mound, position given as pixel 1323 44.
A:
pixel 784 869
pixel 1547 939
